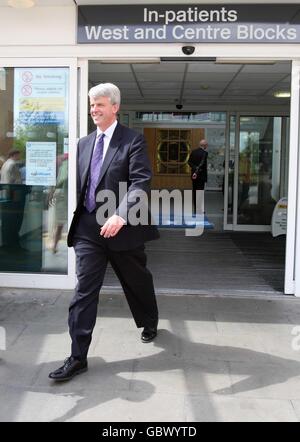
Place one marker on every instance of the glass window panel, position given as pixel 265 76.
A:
pixel 164 134
pixel 285 157
pixel 174 134
pixel 259 169
pixel 34 170
pixel 231 170
pixel 184 134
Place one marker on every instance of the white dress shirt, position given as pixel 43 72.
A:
pixel 108 136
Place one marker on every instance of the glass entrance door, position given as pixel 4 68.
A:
pixel 256 167
pixel 38 105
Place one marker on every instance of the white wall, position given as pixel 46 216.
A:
pixel 38 26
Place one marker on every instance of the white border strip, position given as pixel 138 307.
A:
pixel 289 286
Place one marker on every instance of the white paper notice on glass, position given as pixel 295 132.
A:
pixel 66 145
pixel 279 218
pixel 40 163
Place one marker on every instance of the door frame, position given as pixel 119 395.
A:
pixel 292 279
pixel 234 225
pixel 47 280
pixel 291 283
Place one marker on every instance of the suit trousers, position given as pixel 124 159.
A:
pixel 197 185
pixel 91 262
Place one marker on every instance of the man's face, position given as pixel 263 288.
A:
pixel 103 112
pixel 204 145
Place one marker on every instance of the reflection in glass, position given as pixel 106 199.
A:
pixel 259 169
pixel 178 117
pixel 34 172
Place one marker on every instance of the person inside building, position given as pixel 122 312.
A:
pixel 14 195
pixel 57 200
pixel 198 164
pixel 10 170
pixel 110 155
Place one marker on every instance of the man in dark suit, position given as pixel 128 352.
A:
pixel 198 163
pixel 111 155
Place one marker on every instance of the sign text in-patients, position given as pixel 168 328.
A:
pixel 189 23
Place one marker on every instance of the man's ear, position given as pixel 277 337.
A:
pixel 116 108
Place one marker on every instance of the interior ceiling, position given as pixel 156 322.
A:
pixel 195 82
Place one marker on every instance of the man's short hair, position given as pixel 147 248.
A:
pixel 106 90
pixel 12 153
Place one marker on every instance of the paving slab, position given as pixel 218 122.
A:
pixel 241 323
pixel 11 333
pixel 221 347
pixel 296 406
pixel 25 405
pixel 170 375
pixel 46 337
pixel 286 347
pixel 269 381
pixel 230 409
pixel 145 406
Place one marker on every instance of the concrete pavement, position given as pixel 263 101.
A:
pixel 215 359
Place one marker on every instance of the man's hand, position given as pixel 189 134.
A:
pixel 112 226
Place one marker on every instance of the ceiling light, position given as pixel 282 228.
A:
pixel 188 59
pixel 130 60
pixel 243 61
pixel 21 4
pixel 282 94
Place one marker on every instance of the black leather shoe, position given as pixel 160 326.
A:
pixel 148 334
pixel 71 368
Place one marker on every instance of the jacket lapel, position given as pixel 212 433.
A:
pixel 88 152
pixel 111 151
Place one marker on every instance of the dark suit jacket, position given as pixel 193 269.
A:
pixel 126 160
pixel 196 157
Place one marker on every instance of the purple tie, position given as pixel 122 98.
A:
pixel 96 163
